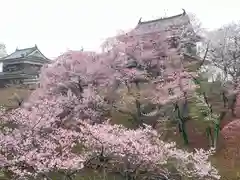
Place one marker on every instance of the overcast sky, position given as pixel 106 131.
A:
pixel 58 25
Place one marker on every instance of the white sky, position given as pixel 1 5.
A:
pixel 58 25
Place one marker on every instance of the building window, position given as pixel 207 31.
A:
pixel 170 92
pixel 162 67
pixel 174 42
pixel 191 49
pixel 12 68
pixel 131 63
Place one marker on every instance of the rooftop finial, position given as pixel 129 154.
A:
pixel 139 22
pixel 184 12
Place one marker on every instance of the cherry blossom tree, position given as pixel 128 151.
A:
pixel 70 111
pixel 224 54
pixel 221 51
pixel 156 64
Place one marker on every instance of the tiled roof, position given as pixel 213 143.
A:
pixel 20 53
pixel 162 23
pixel 162 19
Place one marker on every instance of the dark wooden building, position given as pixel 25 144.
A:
pixel 180 21
pixel 22 66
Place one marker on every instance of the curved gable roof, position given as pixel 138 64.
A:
pixel 23 53
pixel 20 53
pixel 162 23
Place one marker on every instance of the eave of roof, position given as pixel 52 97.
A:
pixel 197 58
pixel 20 53
pixel 161 19
pixel 28 52
pixel 42 54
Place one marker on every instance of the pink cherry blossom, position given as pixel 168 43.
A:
pixel 69 109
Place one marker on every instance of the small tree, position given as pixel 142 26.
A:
pixel 224 53
pixel 3 51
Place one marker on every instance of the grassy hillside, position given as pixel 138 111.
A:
pixel 229 170
pixel 7 95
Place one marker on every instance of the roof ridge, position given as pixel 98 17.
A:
pixel 26 48
pixel 25 52
pixel 159 19
pixel 38 51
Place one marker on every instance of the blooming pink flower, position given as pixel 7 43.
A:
pixel 68 109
